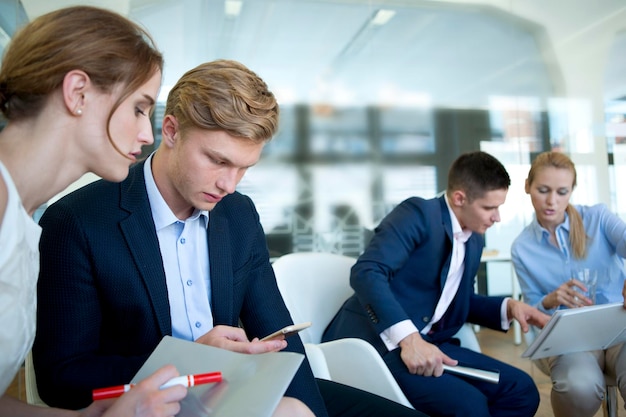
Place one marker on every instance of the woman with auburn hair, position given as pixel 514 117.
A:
pixel 77 87
pixel 563 238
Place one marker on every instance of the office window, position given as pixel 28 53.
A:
pixel 406 131
pixel 338 131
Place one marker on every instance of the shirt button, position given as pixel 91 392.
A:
pixel 198 325
pixel 189 282
pixel 425 319
pixel 182 240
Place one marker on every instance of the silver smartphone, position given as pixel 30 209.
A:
pixel 287 331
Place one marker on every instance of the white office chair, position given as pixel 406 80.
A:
pixel 314 286
pixel 32 395
pixel 356 363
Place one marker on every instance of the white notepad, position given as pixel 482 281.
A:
pixel 252 385
pixel 580 330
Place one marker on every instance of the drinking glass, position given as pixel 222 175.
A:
pixel 589 278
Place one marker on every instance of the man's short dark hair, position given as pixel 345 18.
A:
pixel 476 173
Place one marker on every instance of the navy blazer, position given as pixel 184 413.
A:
pixel 103 304
pixel 401 275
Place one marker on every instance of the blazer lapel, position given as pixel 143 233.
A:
pixel 446 224
pixel 221 270
pixel 140 234
pixel 473 245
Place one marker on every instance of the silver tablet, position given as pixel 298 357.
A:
pixel 580 330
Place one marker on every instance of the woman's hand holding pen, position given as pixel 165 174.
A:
pixel 146 399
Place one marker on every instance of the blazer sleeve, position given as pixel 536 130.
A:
pixel 397 236
pixel 258 302
pixel 82 342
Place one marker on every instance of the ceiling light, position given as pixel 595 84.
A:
pixel 232 8
pixel 382 16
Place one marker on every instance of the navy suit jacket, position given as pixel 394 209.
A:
pixel 103 304
pixel 401 276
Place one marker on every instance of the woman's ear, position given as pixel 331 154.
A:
pixel 169 130
pixel 527 186
pixel 75 83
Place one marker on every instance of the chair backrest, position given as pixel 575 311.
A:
pixel 356 363
pixel 317 361
pixel 314 285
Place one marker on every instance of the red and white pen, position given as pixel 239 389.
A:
pixel 185 380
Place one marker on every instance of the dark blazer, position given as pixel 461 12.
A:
pixel 103 304
pixel 401 275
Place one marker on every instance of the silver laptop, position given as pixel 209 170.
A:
pixel 580 330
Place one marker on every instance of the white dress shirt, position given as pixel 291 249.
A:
pixel 455 273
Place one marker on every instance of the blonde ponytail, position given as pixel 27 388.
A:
pixel 577 236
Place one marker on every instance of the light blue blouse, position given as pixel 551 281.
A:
pixel 541 267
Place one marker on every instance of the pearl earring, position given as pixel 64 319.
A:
pixel 79 112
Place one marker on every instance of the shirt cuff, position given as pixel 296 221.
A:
pixel 504 320
pixel 541 308
pixel 392 336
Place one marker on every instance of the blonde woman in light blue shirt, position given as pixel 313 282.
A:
pixel 562 238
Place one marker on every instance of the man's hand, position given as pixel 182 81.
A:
pixel 525 314
pixel 423 358
pixel 235 340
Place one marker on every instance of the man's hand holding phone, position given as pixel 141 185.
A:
pixel 235 339
pixel 286 331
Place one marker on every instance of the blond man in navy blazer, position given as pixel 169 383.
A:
pixel 123 265
pixel 414 290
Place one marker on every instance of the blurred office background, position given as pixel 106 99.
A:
pixel 379 97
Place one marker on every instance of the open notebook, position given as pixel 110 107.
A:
pixel 580 330
pixel 252 385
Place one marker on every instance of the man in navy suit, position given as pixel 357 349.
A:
pixel 414 289
pixel 172 250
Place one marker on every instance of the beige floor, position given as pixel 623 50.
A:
pixel 496 344
pixel 500 345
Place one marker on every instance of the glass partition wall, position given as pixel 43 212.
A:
pixel 379 97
